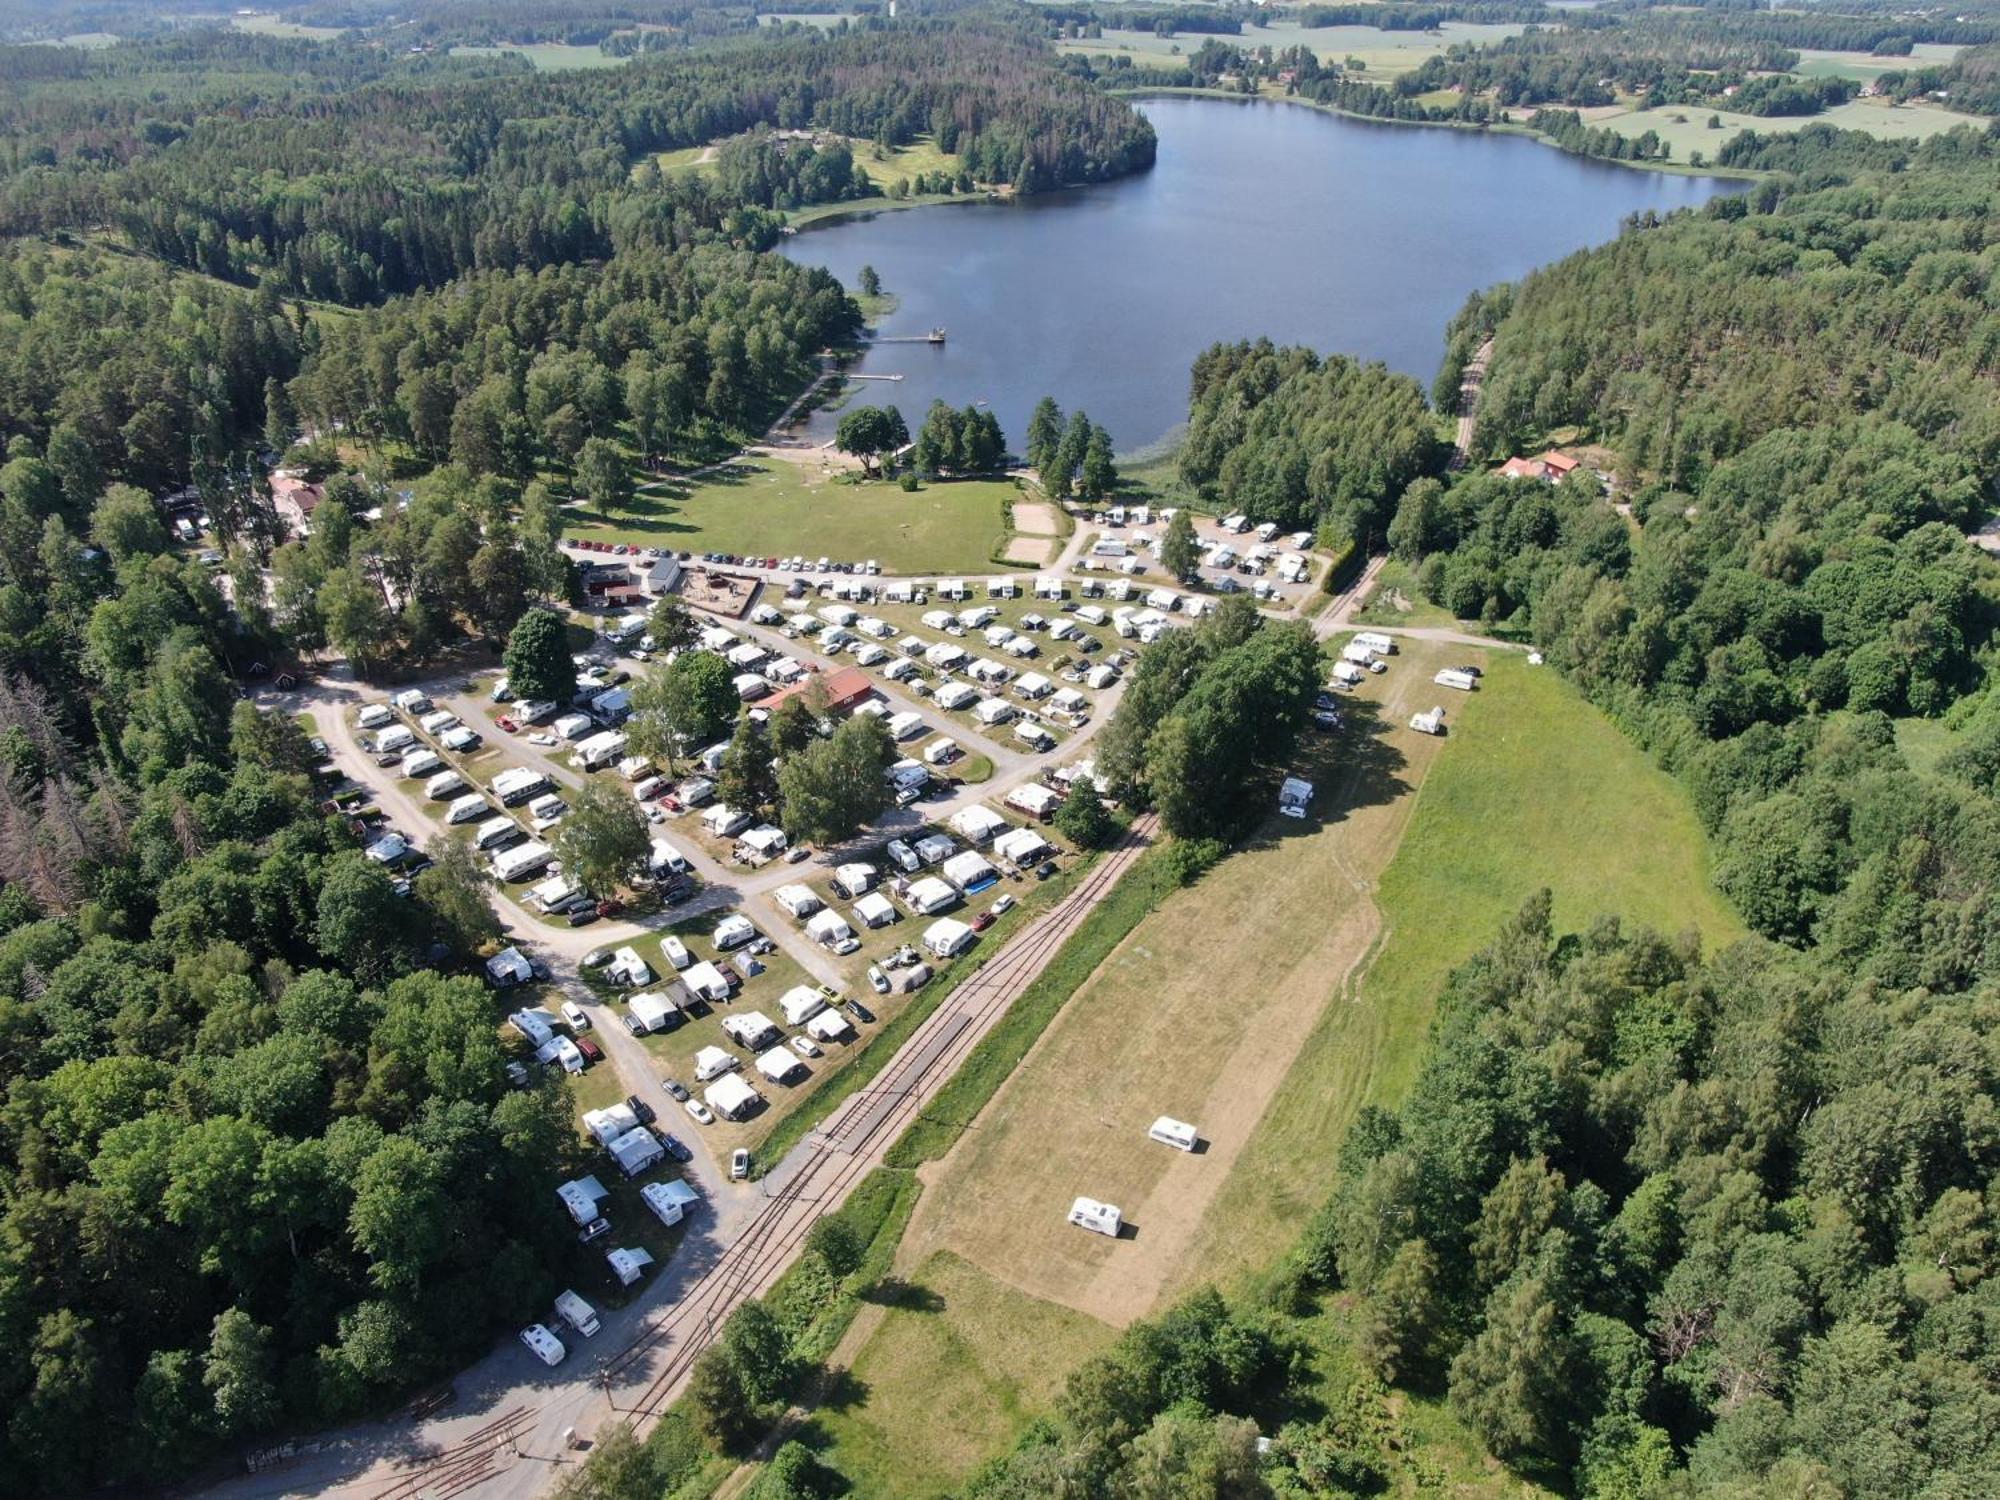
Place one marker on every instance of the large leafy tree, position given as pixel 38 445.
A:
pixel 603 837
pixel 538 660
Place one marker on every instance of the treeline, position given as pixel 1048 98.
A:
pixel 1284 435
pixel 1651 1223
pixel 386 190
pixel 508 373
pixel 1566 128
pixel 118 369
pixel 1850 29
pixel 262 1164
pixel 1969 82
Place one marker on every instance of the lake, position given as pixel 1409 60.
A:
pixel 1259 218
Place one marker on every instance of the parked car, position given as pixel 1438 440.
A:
pixel 861 1013
pixel 676 1147
pixel 640 1108
pixel 675 1089
pixel 573 1013
pixel 878 979
pixel 983 921
pixel 1045 870
pixel 595 1229
pixel 1004 905
pixel 590 1050
pixel 597 958
pixel 702 1114
pixel 508 724
pixel 739 1164
pixel 583 916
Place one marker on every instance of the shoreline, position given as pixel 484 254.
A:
pixel 1671 168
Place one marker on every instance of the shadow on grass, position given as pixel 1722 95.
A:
pixel 905 1296
pixel 1351 768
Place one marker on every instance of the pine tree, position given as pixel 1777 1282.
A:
pixel 1045 430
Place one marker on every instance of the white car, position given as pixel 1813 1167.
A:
pixel 703 1115
pixel 878 979
pixel 846 946
pixel 573 1013
pixel 544 1345
pixel 1004 905
pixel 541 739
pixel 739 1164
pixel 805 1046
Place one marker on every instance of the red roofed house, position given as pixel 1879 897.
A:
pixel 846 690
pixel 295 499
pixel 1556 466
pixel 1521 468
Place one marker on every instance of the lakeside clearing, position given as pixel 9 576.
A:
pixel 547 57
pixel 778 506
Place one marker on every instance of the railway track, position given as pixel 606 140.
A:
pixel 844 1151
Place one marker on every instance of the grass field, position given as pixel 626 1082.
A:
pixel 1536 789
pixel 950 1378
pixel 269 24
pixel 822 22
pixel 777 506
pixel 549 57
pixel 897 162
pixel 1685 128
pixel 1236 987
pixel 1817 62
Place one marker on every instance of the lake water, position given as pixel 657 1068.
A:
pixel 1259 218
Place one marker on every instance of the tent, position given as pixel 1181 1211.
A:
pixel 828 926
pixel 929 896
pixel 1022 847
pixel 800 1004
pixel 651 1012
pixel 706 982
pixel 607 1124
pixel 947 937
pixel 976 823
pixel 636 1150
pixel 581 1198
pixel 799 900
pixel 874 910
pixel 762 842
pixel 712 1062
pixel 780 1064
pixel 628 1265
pixel 969 871
pixel 731 1097
pixel 508 967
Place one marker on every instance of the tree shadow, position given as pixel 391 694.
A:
pixel 905 1296
pixel 1353 767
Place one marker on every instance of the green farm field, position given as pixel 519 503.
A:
pixel 1686 128
pixel 549 57
pixel 775 506
pixel 1383 53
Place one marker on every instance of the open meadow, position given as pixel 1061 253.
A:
pixel 1294 983
pixel 1383 54
pixel 1686 128
pixel 548 57
pixel 781 506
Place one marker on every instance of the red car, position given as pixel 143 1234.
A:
pixel 609 907
pixel 590 1050
pixel 983 921
pixel 508 724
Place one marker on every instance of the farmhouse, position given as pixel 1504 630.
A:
pixel 295 498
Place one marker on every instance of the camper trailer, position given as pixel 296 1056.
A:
pixel 1293 796
pixel 1452 677
pixel 1098 1218
pixel 1429 723
pixel 1176 1133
